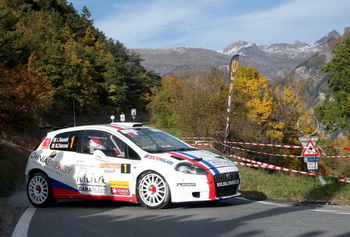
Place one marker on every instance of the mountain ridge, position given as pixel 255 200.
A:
pixel 274 61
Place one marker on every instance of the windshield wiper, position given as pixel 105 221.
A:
pixel 156 151
pixel 184 149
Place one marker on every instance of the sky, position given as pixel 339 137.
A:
pixel 214 24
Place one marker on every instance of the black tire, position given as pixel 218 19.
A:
pixel 39 190
pixel 153 191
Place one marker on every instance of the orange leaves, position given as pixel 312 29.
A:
pixel 24 91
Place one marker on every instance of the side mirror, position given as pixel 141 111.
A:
pixel 99 155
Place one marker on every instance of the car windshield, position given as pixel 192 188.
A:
pixel 155 141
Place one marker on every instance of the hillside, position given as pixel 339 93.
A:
pixel 281 62
pixel 310 70
pixel 53 59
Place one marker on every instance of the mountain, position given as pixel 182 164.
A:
pixel 180 60
pixel 332 34
pixel 274 61
pixel 311 69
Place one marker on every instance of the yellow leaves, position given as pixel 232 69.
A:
pixel 289 101
pixel 260 109
pixel 276 131
pixel 112 88
pixel 267 112
pixel 256 94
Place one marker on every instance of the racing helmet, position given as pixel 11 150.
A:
pixel 96 144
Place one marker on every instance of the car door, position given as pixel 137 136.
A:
pixel 104 166
pixel 60 162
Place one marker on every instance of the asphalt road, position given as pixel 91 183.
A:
pixel 234 217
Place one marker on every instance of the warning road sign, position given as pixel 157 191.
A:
pixel 310 149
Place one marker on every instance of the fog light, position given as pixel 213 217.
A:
pixel 196 194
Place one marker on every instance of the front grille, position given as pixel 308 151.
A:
pixel 226 184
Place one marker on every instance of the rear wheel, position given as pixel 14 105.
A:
pixel 153 191
pixel 39 190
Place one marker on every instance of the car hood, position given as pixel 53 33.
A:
pixel 200 156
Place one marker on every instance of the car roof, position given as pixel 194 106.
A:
pixel 112 126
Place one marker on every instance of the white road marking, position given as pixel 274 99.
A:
pixel 336 211
pixel 22 226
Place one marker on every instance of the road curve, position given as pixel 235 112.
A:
pixel 234 217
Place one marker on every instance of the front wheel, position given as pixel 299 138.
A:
pixel 39 190
pixel 153 191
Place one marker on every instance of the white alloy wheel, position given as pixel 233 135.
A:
pixel 153 191
pixel 39 190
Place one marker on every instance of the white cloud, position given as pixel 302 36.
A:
pixel 144 21
pixel 209 24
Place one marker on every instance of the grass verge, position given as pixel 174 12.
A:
pixel 263 184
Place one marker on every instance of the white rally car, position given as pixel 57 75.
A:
pixel 126 162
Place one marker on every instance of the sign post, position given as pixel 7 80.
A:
pixel 233 71
pixel 308 125
pixel 133 114
pixel 122 117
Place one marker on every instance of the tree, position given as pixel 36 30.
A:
pixel 253 105
pixel 76 59
pixel 164 101
pixel 13 49
pixel 334 113
pixel 25 92
pixel 196 105
pixel 201 109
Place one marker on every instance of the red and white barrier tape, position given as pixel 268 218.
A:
pixel 260 144
pixel 268 166
pixel 283 146
pixel 196 138
pixel 258 164
pixel 335 156
pixel 265 153
pixel 334 147
pixel 200 144
pixel 273 154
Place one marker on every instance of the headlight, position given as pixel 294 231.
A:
pixel 189 168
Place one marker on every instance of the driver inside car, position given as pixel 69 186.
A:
pixel 96 144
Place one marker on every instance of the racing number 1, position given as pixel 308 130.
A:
pixel 125 169
pixel 72 142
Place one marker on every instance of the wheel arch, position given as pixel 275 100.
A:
pixel 145 172
pixel 35 170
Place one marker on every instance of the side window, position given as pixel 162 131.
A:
pixel 132 154
pixel 67 141
pixel 109 144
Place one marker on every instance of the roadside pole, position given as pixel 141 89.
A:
pixel 308 125
pixel 232 75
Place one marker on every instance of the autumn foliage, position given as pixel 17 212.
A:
pixel 261 113
pixel 53 59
